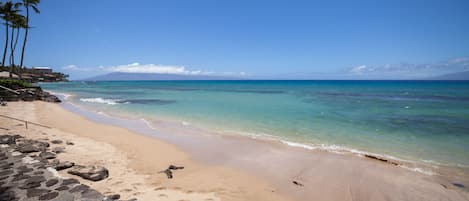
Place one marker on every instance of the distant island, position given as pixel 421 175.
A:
pixel 452 76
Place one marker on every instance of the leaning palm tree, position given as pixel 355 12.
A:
pixel 17 22
pixel 27 4
pixel 7 10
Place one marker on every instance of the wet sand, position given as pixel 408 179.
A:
pixel 225 167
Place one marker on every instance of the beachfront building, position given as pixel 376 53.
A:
pixel 42 69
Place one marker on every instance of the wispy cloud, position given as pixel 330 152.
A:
pixel 149 68
pixel 407 70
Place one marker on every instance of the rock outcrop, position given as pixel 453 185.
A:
pixel 25 175
pixel 29 94
pixel 93 173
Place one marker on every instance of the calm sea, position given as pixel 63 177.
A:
pixel 424 121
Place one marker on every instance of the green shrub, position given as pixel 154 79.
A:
pixel 14 84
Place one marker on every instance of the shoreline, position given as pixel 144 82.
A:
pixel 427 167
pixel 324 176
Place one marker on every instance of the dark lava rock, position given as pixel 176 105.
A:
pixel 51 182
pixel 6 172
pixel 7 195
pixel 113 197
pixel 91 194
pixel 24 169
pixel 33 182
pixel 18 177
pixel 47 155
pixel 6 166
pixel 49 196
pixel 9 139
pixel 93 173
pixel 34 192
pixel 69 181
pixel 56 141
pixel 64 165
pixel 62 188
pixel 79 188
pixel 58 150
pixel 28 148
pixel 69 143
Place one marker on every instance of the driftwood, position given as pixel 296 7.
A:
pixel 168 171
pixel 297 183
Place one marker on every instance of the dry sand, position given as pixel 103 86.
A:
pixel 244 169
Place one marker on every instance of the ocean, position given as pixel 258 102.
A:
pixel 420 121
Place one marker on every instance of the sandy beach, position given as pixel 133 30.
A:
pixel 221 167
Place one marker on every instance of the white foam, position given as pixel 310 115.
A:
pixel 419 170
pixel 294 144
pixel 100 100
pixel 148 123
pixel 64 95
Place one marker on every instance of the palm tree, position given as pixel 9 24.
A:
pixel 7 10
pixel 27 4
pixel 17 22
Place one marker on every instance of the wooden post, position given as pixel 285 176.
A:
pixel 26 124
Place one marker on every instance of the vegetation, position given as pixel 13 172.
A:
pixel 15 21
pixel 14 84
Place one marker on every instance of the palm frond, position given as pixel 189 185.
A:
pixel 35 9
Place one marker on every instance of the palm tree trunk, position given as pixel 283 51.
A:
pixel 12 62
pixel 12 50
pixel 25 36
pixel 6 44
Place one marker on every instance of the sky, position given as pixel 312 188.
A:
pixel 252 38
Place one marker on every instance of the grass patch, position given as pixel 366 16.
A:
pixel 15 84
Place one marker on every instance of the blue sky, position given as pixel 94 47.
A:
pixel 272 39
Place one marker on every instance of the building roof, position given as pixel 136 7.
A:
pixel 41 68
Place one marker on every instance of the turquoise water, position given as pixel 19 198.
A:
pixel 425 121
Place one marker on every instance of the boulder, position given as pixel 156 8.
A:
pixel 58 150
pixel 29 146
pixel 56 141
pixel 47 155
pixel 9 139
pixel 63 165
pixel 93 173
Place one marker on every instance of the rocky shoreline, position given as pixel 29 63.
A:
pixel 29 172
pixel 28 94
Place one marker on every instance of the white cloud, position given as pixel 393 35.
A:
pixel 408 69
pixel 151 68
pixel 70 67
pixel 359 69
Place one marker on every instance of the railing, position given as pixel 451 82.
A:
pixel 25 122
